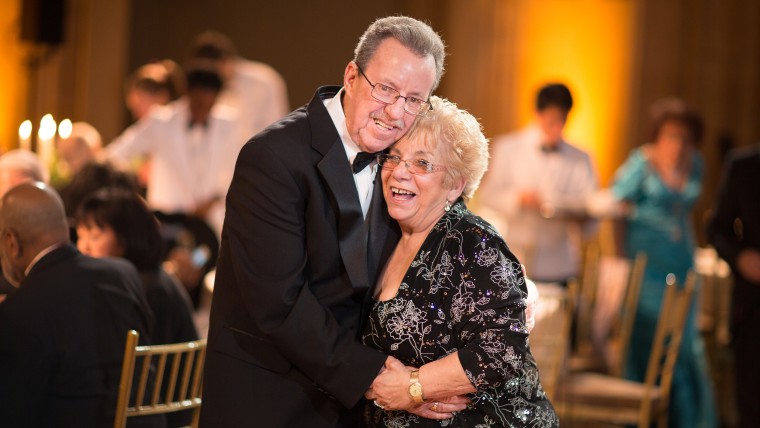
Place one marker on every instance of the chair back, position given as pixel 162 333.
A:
pixel 550 340
pixel 628 313
pixel 585 297
pixel 666 345
pixel 169 379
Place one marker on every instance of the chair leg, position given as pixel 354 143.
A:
pixel 663 423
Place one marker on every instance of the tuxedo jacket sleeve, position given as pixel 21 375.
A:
pixel 62 338
pixel 293 255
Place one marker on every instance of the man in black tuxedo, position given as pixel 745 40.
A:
pixel 734 230
pixel 62 334
pixel 305 236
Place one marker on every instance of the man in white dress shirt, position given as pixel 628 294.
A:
pixel 193 144
pixel 536 188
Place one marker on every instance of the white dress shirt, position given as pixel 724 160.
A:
pixel 364 179
pixel 190 164
pixel 547 242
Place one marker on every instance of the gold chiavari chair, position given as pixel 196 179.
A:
pixel 169 379
pixel 593 397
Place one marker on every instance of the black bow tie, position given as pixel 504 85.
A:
pixel 361 161
pixel 549 148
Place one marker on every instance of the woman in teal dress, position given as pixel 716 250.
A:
pixel 659 184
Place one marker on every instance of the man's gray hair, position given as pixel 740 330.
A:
pixel 25 163
pixel 415 35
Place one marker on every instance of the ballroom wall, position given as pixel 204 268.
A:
pixel 617 55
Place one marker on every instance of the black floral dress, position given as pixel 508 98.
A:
pixel 464 291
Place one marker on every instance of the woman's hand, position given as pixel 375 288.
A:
pixel 442 409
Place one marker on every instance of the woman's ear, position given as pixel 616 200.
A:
pixel 456 190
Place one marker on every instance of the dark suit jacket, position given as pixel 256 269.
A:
pixel 738 199
pixel 283 350
pixel 62 337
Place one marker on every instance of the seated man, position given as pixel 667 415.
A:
pixel 62 333
pixel 16 167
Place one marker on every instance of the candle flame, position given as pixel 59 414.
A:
pixel 64 129
pixel 47 127
pixel 25 130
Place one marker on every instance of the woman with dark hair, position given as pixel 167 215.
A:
pixel 658 185
pixel 116 223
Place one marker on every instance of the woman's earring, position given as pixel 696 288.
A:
pixel 447 207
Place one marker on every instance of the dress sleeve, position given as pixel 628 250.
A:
pixel 488 311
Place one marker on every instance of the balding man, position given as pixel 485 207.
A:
pixel 62 333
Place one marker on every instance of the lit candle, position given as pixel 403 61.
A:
pixel 45 140
pixel 64 129
pixel 25 135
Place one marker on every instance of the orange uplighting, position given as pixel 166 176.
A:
pixel 13 79
pixel 589 46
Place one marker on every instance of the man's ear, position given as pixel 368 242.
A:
pixel 350 76
pixel 12 244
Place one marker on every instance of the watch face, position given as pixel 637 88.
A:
pixel 415 390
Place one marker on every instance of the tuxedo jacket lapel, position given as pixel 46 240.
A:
pixel 336 171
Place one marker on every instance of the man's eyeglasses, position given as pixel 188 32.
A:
pixel 415 166
pixel 386 94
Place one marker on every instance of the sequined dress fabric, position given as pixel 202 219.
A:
pixel 464 292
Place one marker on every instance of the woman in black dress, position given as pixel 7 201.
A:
pixel 451 299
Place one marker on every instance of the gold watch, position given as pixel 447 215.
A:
pixel 415 387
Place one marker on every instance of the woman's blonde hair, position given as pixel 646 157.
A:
pixel 459 137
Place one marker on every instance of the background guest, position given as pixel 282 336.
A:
pixel 734 230
pixel 16 167
pixel 659 183
pixel 20 166
pixel 62 333
pixel 536 188
pixel 154 84
pixel 80 148
pixel 192 143
pixel 92 177
pixel 117 223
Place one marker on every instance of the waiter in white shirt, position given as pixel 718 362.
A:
pixel 536 188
